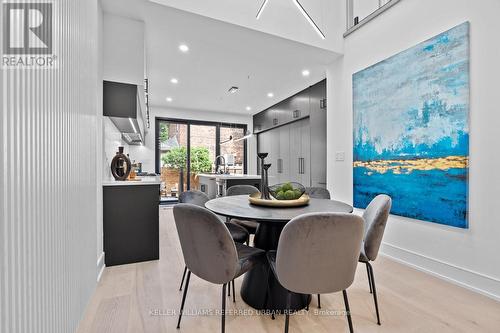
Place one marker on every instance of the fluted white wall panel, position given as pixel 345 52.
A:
pixel 48 181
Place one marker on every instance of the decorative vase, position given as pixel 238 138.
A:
pixel 120 165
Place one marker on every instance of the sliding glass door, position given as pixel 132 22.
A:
pixel 186 147
pixel 232 147
pixel 172 147
pixel 203 146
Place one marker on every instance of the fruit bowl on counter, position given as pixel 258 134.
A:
pixel 288 194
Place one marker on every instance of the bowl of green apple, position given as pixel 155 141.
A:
pixel 287 191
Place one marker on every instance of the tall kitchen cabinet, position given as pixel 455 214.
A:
pixel 295 138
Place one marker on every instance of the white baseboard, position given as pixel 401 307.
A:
pixel 475 281
pixel 100 266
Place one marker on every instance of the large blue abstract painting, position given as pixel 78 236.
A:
pixel 411 130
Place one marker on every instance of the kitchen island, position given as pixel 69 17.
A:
pixel 215 185
pixel 131 220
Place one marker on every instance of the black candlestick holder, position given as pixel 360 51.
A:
pixel 266 182
pixel 263 185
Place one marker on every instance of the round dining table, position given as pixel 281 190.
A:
pixel 260 289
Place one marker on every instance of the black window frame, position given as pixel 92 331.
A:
pixel 190 122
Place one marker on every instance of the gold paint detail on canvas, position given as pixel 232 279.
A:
pixel 407 166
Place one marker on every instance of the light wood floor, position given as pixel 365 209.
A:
pixel 144 297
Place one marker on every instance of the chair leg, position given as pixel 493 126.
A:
pixel 229 290
pixel 369 278
pixel 223 323
pixel 183 276
pixel 184 299
pixel 374 291
pixel 288 306
pixel 348 311
pixel 319 301
pixel 234 294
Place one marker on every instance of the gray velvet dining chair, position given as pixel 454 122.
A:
pixel 318 193
pixel 375 216
pixel 318 254
pixel 210 252
pixel 250 226
pixel 238 233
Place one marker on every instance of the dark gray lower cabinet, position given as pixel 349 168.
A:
pixel 131 224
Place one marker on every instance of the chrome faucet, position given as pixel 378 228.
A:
pixel 223 161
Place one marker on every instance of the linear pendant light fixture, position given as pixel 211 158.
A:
pixel 309 19
pixel 304 13
pixel 247 135
pixel 261 9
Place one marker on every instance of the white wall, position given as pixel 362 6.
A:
pixel 468 257
pixel 146 153
pixel 48 162
pixel 112 139
pixel 123 44
pixel 363 8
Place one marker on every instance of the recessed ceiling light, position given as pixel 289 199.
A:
pixel 183 48
pixel 270 95
pixel 305 72
pixel 169 99
pixel 174 80
pixel 248 108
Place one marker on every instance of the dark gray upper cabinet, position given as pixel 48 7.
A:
pixel 300 104
pixel 124 104
pixel 296 107
pixel 120 99
pixel 258 122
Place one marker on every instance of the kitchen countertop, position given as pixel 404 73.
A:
pixel 143 181
pixel 230 176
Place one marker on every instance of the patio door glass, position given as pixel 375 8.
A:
pixel 173 144
pixel 203 146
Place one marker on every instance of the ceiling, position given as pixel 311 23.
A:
pixel 220 55
pixel 280 17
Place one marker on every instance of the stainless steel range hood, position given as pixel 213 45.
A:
pixel 124 104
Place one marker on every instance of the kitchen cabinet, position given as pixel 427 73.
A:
pixel 300 105
pixel 297 146
pixel 131 221
pixel 283 137
pixel 291 109
pixel 124 104
pixel 317 95
pixel 300 157
pixel 269 144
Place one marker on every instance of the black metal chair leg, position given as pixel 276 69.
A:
pixel 288 306
pixel 319 301
pixel 234 294
pixel 223 323
pixel 369 278
pixel 184 299
pixel 374 291
pixel 183 276
pixel 348 311
pixel 229 290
